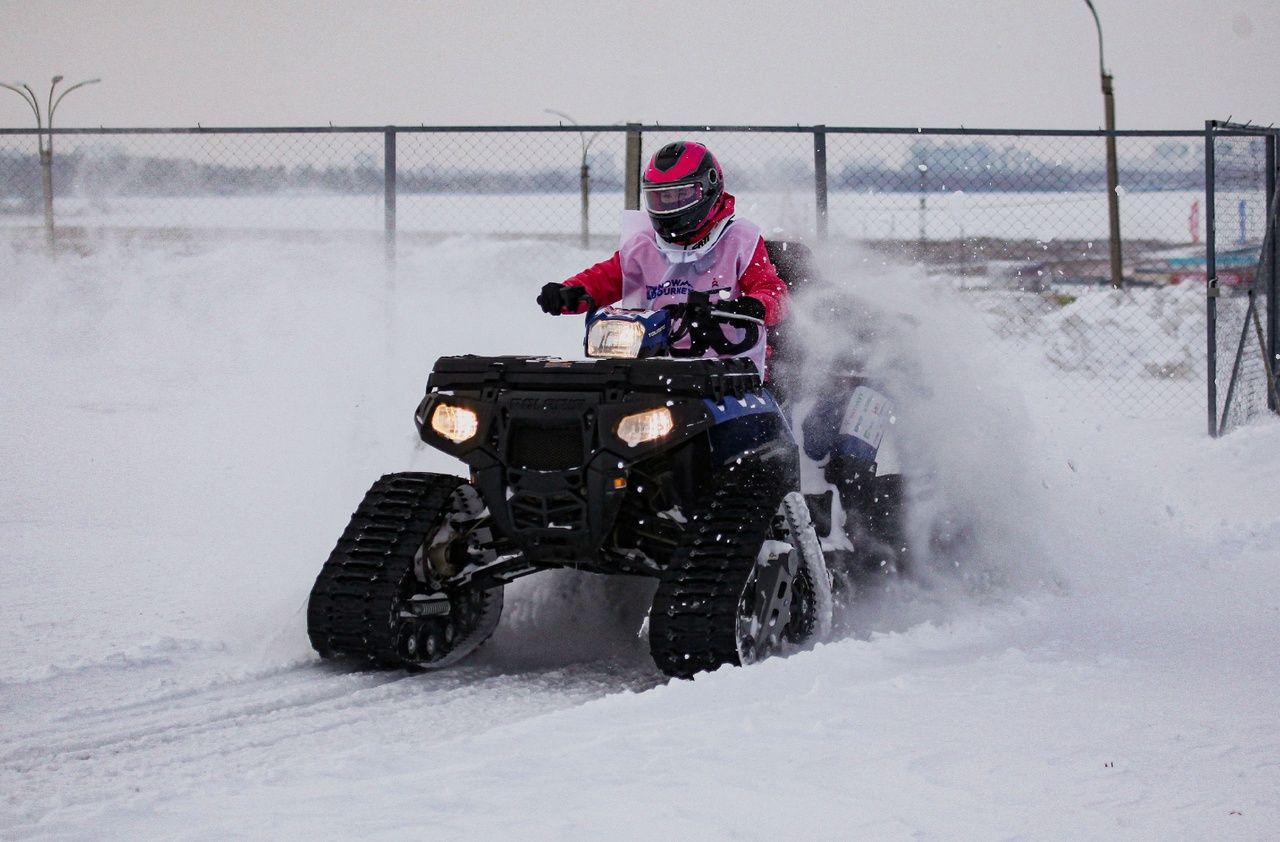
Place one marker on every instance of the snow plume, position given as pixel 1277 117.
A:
pixel 959 433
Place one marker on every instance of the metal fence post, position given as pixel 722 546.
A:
pixel 1113 185
pixel 820 179
pixel 1270 236
pixel 584 182
pixel 631 186
pixel 46 183
pixel 1211 276
pixel 923 238
pixel 389 193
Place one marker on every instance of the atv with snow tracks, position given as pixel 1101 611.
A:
pixel 651 458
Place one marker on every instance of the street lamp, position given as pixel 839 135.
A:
pixel 584 173
pixel 924 211
pixel 44 140
pixel 1113 178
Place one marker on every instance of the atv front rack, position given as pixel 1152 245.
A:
pixel 714 379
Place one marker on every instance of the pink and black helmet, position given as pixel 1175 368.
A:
pixel 681 190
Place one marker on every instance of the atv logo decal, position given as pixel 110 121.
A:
pixel 550 404
pixel 675 286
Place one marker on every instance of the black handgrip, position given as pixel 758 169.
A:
pixel 722 344
pixel 702 324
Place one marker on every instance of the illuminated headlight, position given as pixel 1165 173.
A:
pixel 645 426
pixel 454 423
pixel 615 338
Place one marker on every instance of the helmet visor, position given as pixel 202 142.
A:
pixel 671 198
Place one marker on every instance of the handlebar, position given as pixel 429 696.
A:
pixel 699 321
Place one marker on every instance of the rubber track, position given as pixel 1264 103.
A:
pixel 347 613
pixel 693 622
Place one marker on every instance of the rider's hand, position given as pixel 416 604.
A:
pixel 556 299
pixel 752 308
pixel 691 312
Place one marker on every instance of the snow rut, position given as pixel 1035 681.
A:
pixel 118 741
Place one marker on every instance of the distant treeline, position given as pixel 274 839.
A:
pixel 931 166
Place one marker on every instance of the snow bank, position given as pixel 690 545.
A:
pixel 1154 333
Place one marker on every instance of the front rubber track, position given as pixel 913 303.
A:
pixel 693 624
pixel 355 597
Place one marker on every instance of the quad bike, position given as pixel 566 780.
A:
pixel 647 459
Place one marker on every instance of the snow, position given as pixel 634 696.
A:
pixel 1088 652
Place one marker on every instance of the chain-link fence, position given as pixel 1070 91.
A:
pixel 957 199
pixel 1015 221
pixel 180 184
pixel 1241 265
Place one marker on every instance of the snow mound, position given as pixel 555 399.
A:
pixel 1149 333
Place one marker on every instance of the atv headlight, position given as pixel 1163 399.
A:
pixel 646 426
pixel 615 338
pixel 455 423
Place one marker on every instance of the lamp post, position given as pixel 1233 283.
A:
pixel 924 212
pixel 1113 178
pixel 44 140
pixel 584 172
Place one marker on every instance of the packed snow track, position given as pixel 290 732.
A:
pixel 185 431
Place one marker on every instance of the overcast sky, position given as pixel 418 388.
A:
pixel 985 63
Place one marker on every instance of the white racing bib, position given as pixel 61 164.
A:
pixel 866 416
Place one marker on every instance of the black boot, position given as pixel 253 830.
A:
pixel 873 512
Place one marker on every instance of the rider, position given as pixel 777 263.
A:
pixel 695 243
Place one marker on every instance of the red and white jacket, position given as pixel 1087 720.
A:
pixel 646 273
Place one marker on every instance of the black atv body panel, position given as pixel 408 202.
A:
pixel 560 484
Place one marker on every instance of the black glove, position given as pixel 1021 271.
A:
pixel 693 310
pixel 752 308
pixel 556 299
